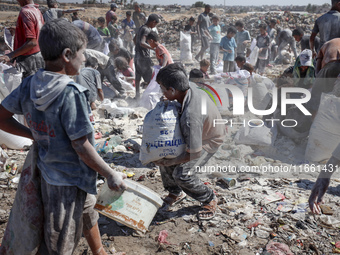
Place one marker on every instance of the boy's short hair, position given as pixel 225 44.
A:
pixel 192 19
pixel 239 23
pixel 113 46
pixel 273 21
pixel 75 13
pixel 215 17
pixel 61 34
pixel 101 20
pixel 128 13
pixel 298 31
pixel 231 30
pixel 121 63
pixel 173 76
pixel 207 6
pixel 248 67
pixel 263 26
pixel 240 59
pixel 195 74
pixel 153 17
pixel 91 62
pixel 114 17
pixel 51 4
pixel 153 36
pixel 204 62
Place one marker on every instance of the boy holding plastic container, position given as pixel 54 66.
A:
pixel 202 140
pixel 228 46
pixel 57 113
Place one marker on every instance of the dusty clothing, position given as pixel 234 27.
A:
pixel 103 31
pixel 110 74
pixel 53 13
pixel 324 83
pixel 214 51
pixel 67 210
pixel 160 51
pixel 205 23
pixel 305 43
pixel 122 53
pixel 240 37
pixel 90 79
pixel 199 136
pixel 328 26
pixel 94 40
pixel 228 44
pixel 109 15
pixel 144 69
pixel 106 68
pixel 139 18
pixel 142 52
pixel 29 23
pixel 285 37
pixel 57 112
pixel 113 30
pixel 329 52
pixel 229 66
pixel 197 128
pixel 29 65
pixel 102 59
pixel 183 177
pixel 263 42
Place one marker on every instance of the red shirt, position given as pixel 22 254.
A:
pixel 109 16
pixel 29 23
pixel 160 51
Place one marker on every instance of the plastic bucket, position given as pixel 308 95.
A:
pixel 135 207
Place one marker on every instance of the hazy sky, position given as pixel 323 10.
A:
pixel 227 2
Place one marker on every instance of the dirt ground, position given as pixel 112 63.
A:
pixel 188 235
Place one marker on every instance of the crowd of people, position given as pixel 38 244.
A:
pixel 48 49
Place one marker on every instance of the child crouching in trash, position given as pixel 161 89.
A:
pixel 202 139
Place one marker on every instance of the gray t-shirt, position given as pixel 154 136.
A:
pixel 328 27
pixel 53 13
pixel 90 79
pixel 54 129
pixel 240 37
pixel 205 23
pixel 305 43
pixel 142 52
pixel 198 129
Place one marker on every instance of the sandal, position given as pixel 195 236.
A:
pixel 172 199
pixel 209 208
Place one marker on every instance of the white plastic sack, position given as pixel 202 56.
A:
pixel 12 78
pixel 106 49
pixel 162 137
pixel 254 56
pixel 324 134
pixel 185 46
pixel 261 135
pixel 4 92
pixel 152 93
pixel 14 142
pixel 126 85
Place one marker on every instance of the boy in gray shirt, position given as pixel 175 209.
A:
pixel 203 24
pixel 242 37
pixel 328 26
pixel 201 136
